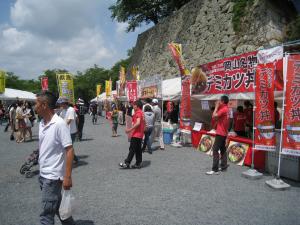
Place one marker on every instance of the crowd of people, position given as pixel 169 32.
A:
pixel 21 118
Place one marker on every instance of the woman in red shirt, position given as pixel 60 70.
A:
pixel 137 130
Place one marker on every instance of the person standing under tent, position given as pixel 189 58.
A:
pixel 12 120
pixel 137 133
pixel 55 159
pixel 27 116
pixel 157 125
pixel 69 116
pixel 249 117
pixel 239 122
pixel 221 115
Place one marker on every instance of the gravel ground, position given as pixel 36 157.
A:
pixel 171 188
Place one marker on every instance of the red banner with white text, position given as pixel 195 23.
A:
pixel 230 75
pixel 185 105
pixel 44 83
pixel 264 113
pixel 291 124
pixel 132 91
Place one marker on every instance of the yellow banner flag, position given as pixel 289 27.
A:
pixel 98 90
pixel 108 88
pixel 122 75
pixel 66 86
pixel 2 81
pixel 134 71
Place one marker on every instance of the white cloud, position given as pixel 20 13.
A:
pixel 48 34
pixel 121 28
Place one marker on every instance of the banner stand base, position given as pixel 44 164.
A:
pixel 252 174
pixel 278 184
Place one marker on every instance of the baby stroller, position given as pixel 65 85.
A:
pixel 31 161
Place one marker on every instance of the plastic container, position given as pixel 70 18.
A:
pixel 168 136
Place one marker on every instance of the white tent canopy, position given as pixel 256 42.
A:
pixel 171 89
pixel 14 94
pixel 103 97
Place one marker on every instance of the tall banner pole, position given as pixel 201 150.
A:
pixel 252 173
pixel 277 183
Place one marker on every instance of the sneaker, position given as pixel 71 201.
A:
pixel 212 173
pixel 135 166
pixel 124 165
pixel 224 169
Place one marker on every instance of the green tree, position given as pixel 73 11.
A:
pixel 137 12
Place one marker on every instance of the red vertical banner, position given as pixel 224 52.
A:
pixel 264 114
pixel 185 105
pixel 291 124
pixel 44 83
pixel 132 91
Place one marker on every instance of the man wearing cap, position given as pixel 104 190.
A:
pixel 81 110
pixel 157 125
pixel 69 116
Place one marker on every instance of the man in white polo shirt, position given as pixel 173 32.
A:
pixel 55 158
pixel 69 116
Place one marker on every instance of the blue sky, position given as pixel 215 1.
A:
pixel 36 35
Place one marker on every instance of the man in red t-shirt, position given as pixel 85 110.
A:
pixel 239 122
pixel 249 117
pixel 221 115
pixel 137 130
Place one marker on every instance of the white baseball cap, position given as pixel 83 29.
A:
pixel 155 101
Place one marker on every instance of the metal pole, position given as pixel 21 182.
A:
pixel 282 117
pixel 253 122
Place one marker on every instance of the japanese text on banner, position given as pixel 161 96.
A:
pixel 131 87
pixel 230 75
pixel 264 113
pixel 66 87
pixel 291 124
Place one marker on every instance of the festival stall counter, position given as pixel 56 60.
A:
pixel 239 148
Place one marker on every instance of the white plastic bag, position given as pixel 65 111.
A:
pixel 67 204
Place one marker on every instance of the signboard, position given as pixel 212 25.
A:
pixel 264 138
pixel 2 81
pixel 151 87
pixel 44 83
pixel 206 143
pixel 229 75
pixel 291 124
pixel 65 86
pixel 237 152
pixel 132 91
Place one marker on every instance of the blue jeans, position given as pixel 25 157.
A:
pixel 147 139
pixel 51 198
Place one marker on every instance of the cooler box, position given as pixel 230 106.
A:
pixel 167 136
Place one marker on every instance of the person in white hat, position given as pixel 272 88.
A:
pixel 157 125
pixel 69 116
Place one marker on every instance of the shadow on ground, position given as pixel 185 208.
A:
pixel 84 222
pixel 146 163
pixel 79 164
pixel 82 156
pixel 86 139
